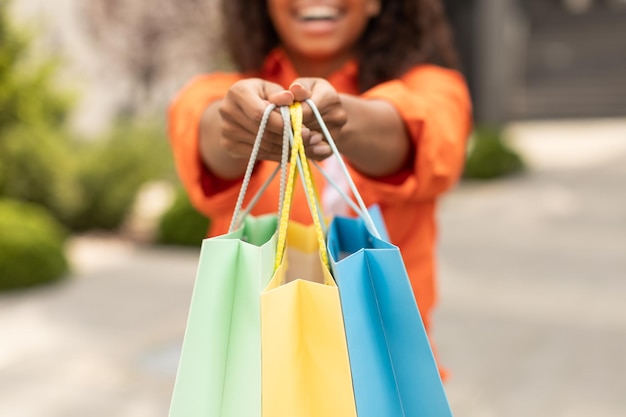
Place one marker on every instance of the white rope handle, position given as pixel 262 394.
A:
pixel 363 208
pixel 240 214
pixel 256 197
pixel 336 186
pixel 234 222
pixel 287 134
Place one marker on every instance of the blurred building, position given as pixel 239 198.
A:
pixel 537 59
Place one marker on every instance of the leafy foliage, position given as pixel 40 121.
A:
pixel 31 246
pixel 85 183
pixel 113 168
pixel 489 157
pixel 28 94
pixel 182 224
pixel 34 162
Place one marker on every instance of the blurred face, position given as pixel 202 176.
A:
pixel 321 30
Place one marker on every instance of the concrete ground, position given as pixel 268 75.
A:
pixel 531 320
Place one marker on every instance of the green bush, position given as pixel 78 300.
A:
pixel 31 246
pixel 181 224
pixel 38 165
pixel 489 157
pixel 86 184
pixel 112 169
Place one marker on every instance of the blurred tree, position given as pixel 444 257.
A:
pixel 28 94
pixel 33 111
pixel 84 184
pixel 153 42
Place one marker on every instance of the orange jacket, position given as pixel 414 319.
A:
pixel 433 102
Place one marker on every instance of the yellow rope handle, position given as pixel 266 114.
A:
pixel 283 222
pixel 297 151
pixel 296 121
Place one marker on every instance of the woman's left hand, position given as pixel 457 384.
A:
pixel 329 104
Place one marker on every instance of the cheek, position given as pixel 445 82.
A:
pixel 278 12
pixel 355 27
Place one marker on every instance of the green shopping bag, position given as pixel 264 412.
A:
pixel 219 373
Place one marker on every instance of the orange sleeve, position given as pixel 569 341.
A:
pixel 209 194
pixel 435 105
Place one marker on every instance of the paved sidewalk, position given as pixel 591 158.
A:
pixel 531 320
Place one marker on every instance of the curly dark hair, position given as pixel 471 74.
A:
pixel 405 33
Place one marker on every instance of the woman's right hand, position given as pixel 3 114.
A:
pixel 241 112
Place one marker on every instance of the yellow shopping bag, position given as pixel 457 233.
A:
pixel 305 366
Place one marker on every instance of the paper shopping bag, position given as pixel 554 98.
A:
pixel 393 368
pixel 219 373
pixel 305 365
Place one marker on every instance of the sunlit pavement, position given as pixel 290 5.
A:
pixel 531 320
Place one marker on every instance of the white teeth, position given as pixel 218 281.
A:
pixel 318 12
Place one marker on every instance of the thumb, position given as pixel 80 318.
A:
pixel 299 91
pixel 282 98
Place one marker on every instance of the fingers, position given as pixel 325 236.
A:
pixel 318 90
pixel 326 99
pixel 241 112
pixel 315 146
pixel 330 107
pixel 300 91
pixel 244 149
pixel 243 107
pixel 282 98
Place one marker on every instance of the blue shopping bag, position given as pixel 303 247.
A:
pixel 393 368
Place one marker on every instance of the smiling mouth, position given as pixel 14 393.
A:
pixel 318 13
